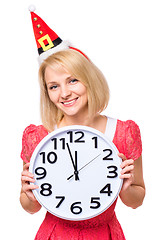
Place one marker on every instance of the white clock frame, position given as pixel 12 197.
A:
pixel 75 199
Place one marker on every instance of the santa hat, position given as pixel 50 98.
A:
pixel 48 42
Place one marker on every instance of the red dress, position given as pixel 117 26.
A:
pixel 103 227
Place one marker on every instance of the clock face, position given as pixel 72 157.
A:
pixel 77 170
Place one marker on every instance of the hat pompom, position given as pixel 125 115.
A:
pixel 31 8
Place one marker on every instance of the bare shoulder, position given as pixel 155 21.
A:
pixel 100 123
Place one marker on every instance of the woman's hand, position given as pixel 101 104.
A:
pixel 133 188
pixel 26 178
pixel 27 198
pixel 127 173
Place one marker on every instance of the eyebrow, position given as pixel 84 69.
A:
pixel 53 82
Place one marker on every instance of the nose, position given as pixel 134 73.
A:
pixel 65 92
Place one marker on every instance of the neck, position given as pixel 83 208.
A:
pixel 67 121
pixel 98 122
pixel 85 121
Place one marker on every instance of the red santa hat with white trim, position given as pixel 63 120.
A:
pixel 48 42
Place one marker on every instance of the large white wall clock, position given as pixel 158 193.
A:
pixel 77 170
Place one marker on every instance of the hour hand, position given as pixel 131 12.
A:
pixel 74 164
pixel 76 167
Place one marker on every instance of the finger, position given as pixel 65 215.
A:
pixel 126 176
pixel 29 187
pixel 26 166
pixel 27 179
pixel 27 174
pixel 127 169
pixel 127 163
pixel 122 156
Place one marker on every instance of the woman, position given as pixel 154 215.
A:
pixel 75 92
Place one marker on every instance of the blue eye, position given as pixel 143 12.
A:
pixel 53 87
pixel 74 81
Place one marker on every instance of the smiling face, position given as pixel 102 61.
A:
pixel 67 93
pixel 91 91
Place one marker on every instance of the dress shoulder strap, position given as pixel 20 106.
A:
pixel 110 128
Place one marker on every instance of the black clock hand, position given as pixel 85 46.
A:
pixel 84 166
pixel 74 165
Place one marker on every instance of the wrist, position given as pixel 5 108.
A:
pixel 31 205
pixel 132 196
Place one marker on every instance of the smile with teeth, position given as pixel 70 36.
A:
pixel 69 103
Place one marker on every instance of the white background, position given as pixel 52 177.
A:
pixel 122 37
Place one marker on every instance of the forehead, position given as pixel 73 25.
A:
pixel 56 72
pixel 56 67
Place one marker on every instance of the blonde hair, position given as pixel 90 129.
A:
pixel 80 68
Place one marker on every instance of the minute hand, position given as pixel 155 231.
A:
pixel 84 166
pixel 74 164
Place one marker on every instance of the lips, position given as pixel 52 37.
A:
pixel 70 102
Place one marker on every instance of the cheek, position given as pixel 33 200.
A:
pixel 53 97
pixel 85 93
pixel 81 89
